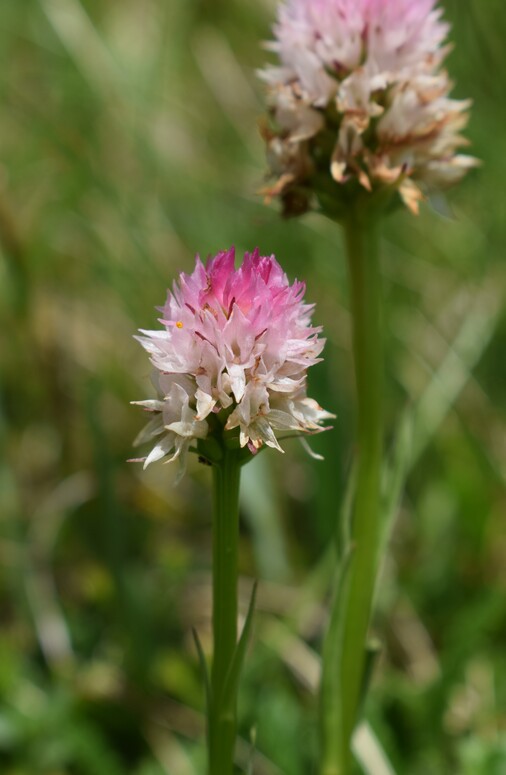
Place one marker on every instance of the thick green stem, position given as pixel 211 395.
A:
pixel 348 641
pixel 222 720
pixel 365 287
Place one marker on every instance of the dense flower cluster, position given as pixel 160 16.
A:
pixel 360 93
pixel 236 345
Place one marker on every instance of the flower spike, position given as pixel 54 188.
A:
pixel 360 103
pixel 232 355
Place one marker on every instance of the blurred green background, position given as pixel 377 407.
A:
pixel 129 142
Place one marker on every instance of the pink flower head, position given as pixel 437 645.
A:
pixel 368 72
pixel 235 344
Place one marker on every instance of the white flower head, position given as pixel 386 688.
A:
pixel 360 99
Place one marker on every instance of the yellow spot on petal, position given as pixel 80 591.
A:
pixel 179 324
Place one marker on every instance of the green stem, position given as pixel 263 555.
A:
pixel 222 721
pixel 347 650
pixel 365 286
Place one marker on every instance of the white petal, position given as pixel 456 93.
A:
pixel 234 419
pixel 285 385
pixel 152 405
pixel 163 447
pixel 180 445
pixel 266 433
pixel 237 380
pixel 205 404
pixel 183 454
pixel 283 421
pixel 152 429
pixel 310 451
pixel 189 430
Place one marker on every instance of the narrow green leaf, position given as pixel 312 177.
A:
pixel 330 690
pixel 421 422
pixel 394 479
pixel 204 669
pixel 455 369
pixel 251 755
pixel 234 671
pixel 369 752
pixel 346 513
pixel 372 653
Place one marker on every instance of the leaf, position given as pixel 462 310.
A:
pixel 91 55
pixel 260 506
pixel 421 422
pixel 251 755
pixel 455 369
pixel 346 514
pixel 204 669
pixel 330 691
pixel 369 752
pixel 394 479
pixel 234 671
pixel 372 652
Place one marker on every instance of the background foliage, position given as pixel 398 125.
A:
pixel 128 142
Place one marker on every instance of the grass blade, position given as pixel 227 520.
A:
pixel 232 680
